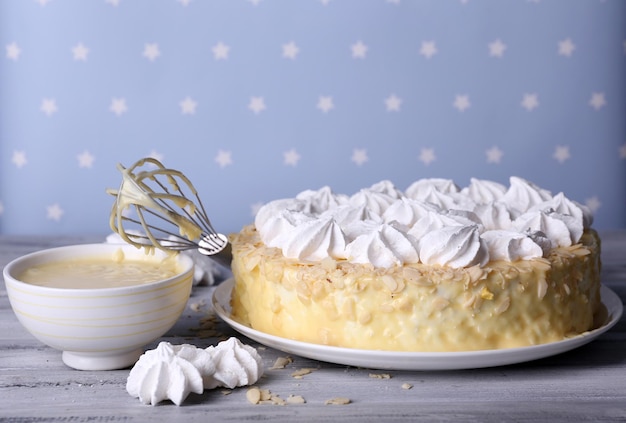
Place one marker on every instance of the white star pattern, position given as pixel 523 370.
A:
pixel 290 50
pixel 220 51
pixel 497 48
pixel 359 50
pixel 80 52
pixel 118 106
pixel 13 51
pixel 428 49
pixel 251 79
pixel 151 51
pixel 494 155
pixel 597 101
pixel 325 104
pixel 393 103
pixel 561 153
pixel 359 156
pixel 54 212
pixel 224 158
pixel 593 203
pixel 188 106
pixel 566 47
pixel 291 157
pixel 85 159
pixel 462 103
pixel 257 105
pixel 49 106
pixel 19 159
pixel 427 156
pixel 530 102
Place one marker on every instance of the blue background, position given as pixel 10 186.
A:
pixel 46 189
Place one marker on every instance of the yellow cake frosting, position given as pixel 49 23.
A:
pixel 430 304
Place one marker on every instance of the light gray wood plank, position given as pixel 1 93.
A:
pixel 587 384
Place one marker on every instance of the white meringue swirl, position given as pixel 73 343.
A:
pixel 510 245
pixel 433 221
pixel 523 194
pixel 553 225
pixel 454 246
pixel 495 215
pixel 313 240
pixel 384 246
pixel 482 191
pixel 407 211
pixel 422 187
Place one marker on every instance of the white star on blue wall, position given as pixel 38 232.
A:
pixel 305 97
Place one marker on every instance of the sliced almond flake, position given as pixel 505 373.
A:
pixel 542 288
pixel 281 363
pixel 338 401
pixel 298 374
pixel 406 386
pixel 582 251
pixel 253 395
pixel 567 289
pixel 469 299
pixel 439 303
pixel 276 400
pixel 266 395
pixel 195 307
pixel 503 306
pixel 380 375
pixel 295 399
pixel 542 264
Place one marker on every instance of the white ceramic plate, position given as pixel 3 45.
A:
pixel 392 360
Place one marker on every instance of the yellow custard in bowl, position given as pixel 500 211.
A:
pixel 101 271
pixel 98 303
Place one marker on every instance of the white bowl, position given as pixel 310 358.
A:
pixel 99 328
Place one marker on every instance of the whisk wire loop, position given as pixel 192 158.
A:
pixel 162 196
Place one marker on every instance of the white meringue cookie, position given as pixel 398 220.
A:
pixel 166 373
pixel 236 364
pixel 172 372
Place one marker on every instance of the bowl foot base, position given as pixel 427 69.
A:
pixel 101 361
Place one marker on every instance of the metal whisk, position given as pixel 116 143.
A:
pixel 169 213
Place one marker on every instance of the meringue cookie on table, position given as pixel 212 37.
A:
pixel 172 372
pixel 168 373
pixel 236 364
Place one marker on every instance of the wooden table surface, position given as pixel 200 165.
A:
pixel 586 384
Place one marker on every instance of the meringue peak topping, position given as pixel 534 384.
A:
pixel 386 227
